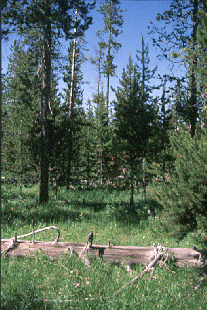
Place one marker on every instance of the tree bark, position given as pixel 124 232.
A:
pixel 193 96
pixel 71 108
pixel 144 179
pixel 108 74
pixel 46 89
pixel 132 191
pixel 73 66
pixel 126 255
pixel 70 150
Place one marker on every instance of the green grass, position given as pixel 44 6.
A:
pixel 26 283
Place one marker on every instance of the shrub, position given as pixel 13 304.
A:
pixel 184 194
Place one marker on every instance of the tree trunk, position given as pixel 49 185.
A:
pixel 108 74
pixel 144 179
pixel 71 108
pixel 132 191
pixel 73 66
pixel 193 97
pixel 101 167
pixel 107 94
pixel 21 167
pixel 46 86
pixel 99 73
pixel 69 156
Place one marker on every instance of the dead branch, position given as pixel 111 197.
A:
pixel 88 245
pixel 42 229
pixel 149 267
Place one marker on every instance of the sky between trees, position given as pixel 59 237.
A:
pixel 137 18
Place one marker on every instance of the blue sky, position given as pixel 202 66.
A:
pixel 137 18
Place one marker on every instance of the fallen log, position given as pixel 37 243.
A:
pixel 128 255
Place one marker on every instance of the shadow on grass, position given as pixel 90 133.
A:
pixel 27 209
pixel 27 299
pixel 39 214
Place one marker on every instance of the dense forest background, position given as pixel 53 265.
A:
pixel 138 141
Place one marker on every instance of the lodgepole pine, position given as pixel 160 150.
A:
pixel 45 15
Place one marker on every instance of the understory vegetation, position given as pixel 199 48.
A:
pixel 126 160
pixel 66 283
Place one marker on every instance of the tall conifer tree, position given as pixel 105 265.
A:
pixel 88 150
pixel 134 119
pixel 98 61
pixel 183 15
pixel 101 122
pixel 20 103
pixel 183 194
pixel 113 22
pixel 202 59
pixel 48 16
pixel 73 110
pixel 146 75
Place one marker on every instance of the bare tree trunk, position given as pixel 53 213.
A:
pixel 132 194
pixel 144 179
pixel 99 73
pixel 107 94
pixel 46 88
pixel 21 172
pixel 71 108
pixel 101 168
pixel 73 66
pixel 108 74
pixel 132 190
pixel 70 148
pixel 193 97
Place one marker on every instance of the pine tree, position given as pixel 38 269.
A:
pixel 183 194
pixel 202 59
pixel 73 110
pixel 98 61
pixel 113 22
pixel 134 120
pixel 88 151
pixel 20 103
pixel 179 97
pixel 165 128
pixel 185 21
pixel 161 161
pixel 47 16
pixel 146 75
pixel 101 122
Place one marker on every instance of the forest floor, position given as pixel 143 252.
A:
pixel 39 283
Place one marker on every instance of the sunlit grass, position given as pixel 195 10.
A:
pixel 25 283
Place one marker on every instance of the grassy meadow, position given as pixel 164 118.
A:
pixel 39 283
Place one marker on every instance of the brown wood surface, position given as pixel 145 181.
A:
pixel 128 255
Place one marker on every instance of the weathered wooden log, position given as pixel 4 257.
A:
pixel 186 256
pixel 128 255
pixel 24 248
